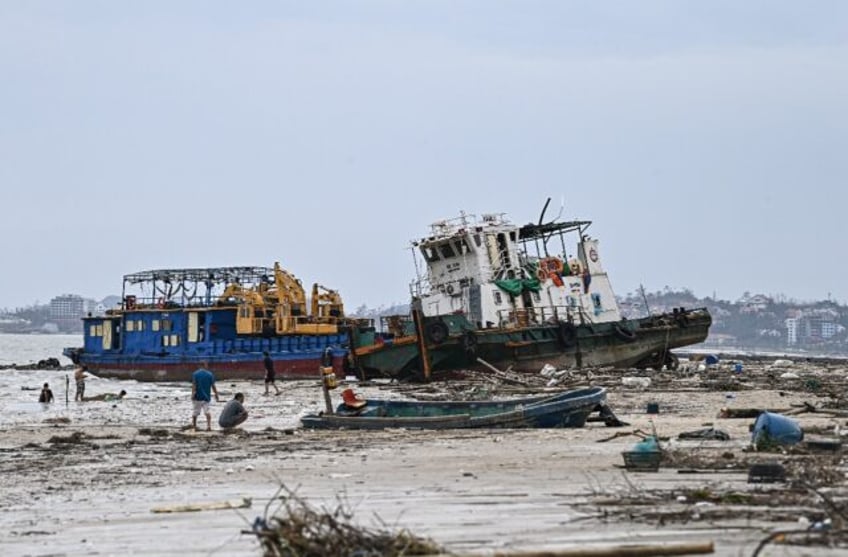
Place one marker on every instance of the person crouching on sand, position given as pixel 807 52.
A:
pixel 233 413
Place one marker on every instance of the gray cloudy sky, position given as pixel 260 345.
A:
pixel 707 140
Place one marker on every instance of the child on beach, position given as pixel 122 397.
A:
pixel 46 395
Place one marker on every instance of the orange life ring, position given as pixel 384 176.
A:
pixel 551 264
pixel 557 280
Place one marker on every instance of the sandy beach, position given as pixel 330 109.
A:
pixel 85 478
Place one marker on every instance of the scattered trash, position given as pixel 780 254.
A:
pixel 782 363
pixel 706 433
pixel 766 473
pixel 547 370
pixel 771 429
pixel 636 382
pixel 645 455
pixel 711 359
pixel 789 375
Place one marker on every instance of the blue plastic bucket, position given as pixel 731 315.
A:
pixel 776 428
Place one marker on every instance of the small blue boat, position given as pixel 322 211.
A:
pixel 565 409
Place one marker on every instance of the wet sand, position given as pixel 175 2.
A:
pixel 473 492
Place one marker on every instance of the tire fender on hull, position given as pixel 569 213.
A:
pixel 567 334
pixel 437 332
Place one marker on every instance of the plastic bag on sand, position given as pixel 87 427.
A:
pixel 636 382
pixel 547 370
pixel 782 363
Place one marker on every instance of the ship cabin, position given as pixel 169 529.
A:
pixel 215 311
pixel 498 274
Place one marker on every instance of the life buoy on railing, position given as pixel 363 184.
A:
pixel 624 333
pixel 567 334
pixel 551 265
pixel 437 332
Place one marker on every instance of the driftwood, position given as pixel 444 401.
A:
pixel 635 550
pixel 300 530
pixel 243 503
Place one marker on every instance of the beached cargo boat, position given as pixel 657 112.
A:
pixel 565 409
pixel 172 321
pixel 518 297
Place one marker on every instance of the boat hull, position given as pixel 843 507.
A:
pixel 640 342
pixel 225 367
pixel 562 410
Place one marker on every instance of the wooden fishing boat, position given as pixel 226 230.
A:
pixel 564 409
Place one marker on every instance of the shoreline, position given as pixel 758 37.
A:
pixel 91 490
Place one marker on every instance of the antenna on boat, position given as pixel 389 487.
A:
pixel 645 298
pixel 542 218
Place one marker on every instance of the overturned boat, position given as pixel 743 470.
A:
pixel 565 409
pixel 492 293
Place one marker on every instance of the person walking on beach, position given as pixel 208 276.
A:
pixel 202 387
pixel 270 376
pixel 46 394
pixel 233 413
pixel 79 377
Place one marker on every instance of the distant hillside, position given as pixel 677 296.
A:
pixel 753 322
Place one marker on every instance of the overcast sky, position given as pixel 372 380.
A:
pixel 708 141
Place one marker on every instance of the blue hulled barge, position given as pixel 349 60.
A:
pixel 172 321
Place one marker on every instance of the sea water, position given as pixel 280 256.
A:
pixel 147 404
pixel 29 349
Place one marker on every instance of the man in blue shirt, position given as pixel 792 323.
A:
pixel 202 387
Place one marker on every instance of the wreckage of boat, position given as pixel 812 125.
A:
pixel 565 409
pixel 492 293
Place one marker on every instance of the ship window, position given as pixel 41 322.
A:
pixel 166 340
pixel 446 249
pixel 92 331
pixel 477 240
pixel 175 340
pixel 166 324
pixel 512 236
pixel 498 298
pixel 429 254
pixel 130 325
pixel 139 326
pixel 462 246
pixel 154 325
pixel 98 331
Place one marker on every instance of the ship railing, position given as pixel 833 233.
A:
pixel 525 317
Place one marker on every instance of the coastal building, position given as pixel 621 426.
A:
pixel 792 331
pixel 66 311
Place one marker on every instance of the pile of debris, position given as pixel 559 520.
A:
pixel 297 529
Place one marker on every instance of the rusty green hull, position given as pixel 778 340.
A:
pixel 644 342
